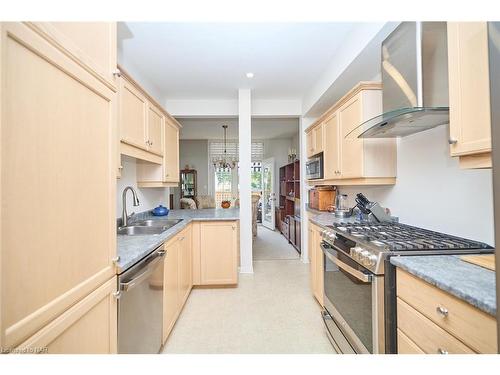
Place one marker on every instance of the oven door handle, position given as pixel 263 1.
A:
pixel 352 271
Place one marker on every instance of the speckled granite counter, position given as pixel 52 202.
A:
pixel 471 283
pixel 131 249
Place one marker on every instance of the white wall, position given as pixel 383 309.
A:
pixel 433 192
pixel 194 153
pixel 149 197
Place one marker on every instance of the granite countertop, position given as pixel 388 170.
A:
pixel 471 283
pixel 326 218
pixel 131 249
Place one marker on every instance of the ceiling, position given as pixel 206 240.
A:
pixel 262 128
pixel 210 60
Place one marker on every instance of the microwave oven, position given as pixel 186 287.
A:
pixel 314 167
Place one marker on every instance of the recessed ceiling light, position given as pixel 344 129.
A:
pixel 249 75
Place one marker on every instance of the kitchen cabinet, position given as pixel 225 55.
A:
pixel 171 283
pixel 49 262
pixel 348 160
pixel 316 259
pixel 88 327
pixel 178 277
pixel 141 121
pixel 155 125
pixel 92 43
pixel 315 140
pixel 185 264
pixel 133 106
pixel 217 252
pixel 435 322
pixel 167 174
pixel 171 158
pixel 469 93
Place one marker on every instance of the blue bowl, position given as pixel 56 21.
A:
pixel 160 211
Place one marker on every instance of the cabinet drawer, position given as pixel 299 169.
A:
pixel 406 345
pixel 425 334
pixel 470 325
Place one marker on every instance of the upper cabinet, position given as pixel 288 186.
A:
pixel 468 69
pixel 349 160
pixel 148 133
pixel 315 140
pixel 92 43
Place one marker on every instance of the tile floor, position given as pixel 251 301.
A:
pixel 271 311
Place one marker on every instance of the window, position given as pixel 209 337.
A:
pixel 256 176
pixel 224 183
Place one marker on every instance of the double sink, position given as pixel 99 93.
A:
pixel 145 227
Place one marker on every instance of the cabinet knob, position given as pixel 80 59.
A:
pixel 443 311
pixel 117 73
pixel 452 141
pixel 442 351
pixel 115 259
pixel 150 143
pixel 117 294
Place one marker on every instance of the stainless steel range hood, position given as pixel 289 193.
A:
pixel 415 82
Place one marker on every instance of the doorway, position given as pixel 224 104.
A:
pixel 268 194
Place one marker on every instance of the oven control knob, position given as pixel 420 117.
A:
pixel 332 236
pixel 363 257
pixel 356 251
pixel 371 260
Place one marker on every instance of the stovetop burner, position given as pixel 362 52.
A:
pixel 402 237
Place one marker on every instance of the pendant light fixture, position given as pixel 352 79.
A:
pixel 223 161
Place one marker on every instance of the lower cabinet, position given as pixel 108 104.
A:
pixel 88 327
pixel 178 278
pixel 171 305
pixel 433 321
pixel 316 259
pixel 218 252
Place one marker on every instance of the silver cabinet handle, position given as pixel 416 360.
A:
pixel 117 294
pixel 116 259
pixel 443 311
pixel 117 73
pixel 452 141
pixel 442 351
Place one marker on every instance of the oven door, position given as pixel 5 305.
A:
pixel 354 301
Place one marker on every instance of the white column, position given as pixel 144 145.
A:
pixel 245 160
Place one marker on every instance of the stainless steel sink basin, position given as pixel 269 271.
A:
pixel 145 227
pixel 136 230
pixel 168 223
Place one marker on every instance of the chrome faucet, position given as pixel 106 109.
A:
pixel 125 217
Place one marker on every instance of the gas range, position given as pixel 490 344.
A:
pixel 371 243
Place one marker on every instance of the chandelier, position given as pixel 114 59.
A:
pixel 223 161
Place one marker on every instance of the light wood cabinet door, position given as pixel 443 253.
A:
pixel 171 295
pixel 316 265
pixel 310 144
pixel 93 43
pixel 132 117
pixel 171 156
pixel 56 137
pixel 156 122
pixel 351 160
pixel 318 137
pixel 185 264
pixel 88 327
pixel 218 253
pixel 468 70
pixel 331 154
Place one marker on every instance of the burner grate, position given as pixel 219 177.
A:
pixel 397 237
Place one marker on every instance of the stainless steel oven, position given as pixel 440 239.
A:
pixel 314 167
pixel 354 304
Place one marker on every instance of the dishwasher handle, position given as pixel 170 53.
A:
pixel 150 268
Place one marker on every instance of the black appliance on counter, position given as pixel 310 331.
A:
pixel 359 280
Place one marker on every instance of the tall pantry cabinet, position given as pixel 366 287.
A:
pixel 58 167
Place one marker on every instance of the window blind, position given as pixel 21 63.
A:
pixel 216 150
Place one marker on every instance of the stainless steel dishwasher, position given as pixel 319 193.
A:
pixel 140 305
